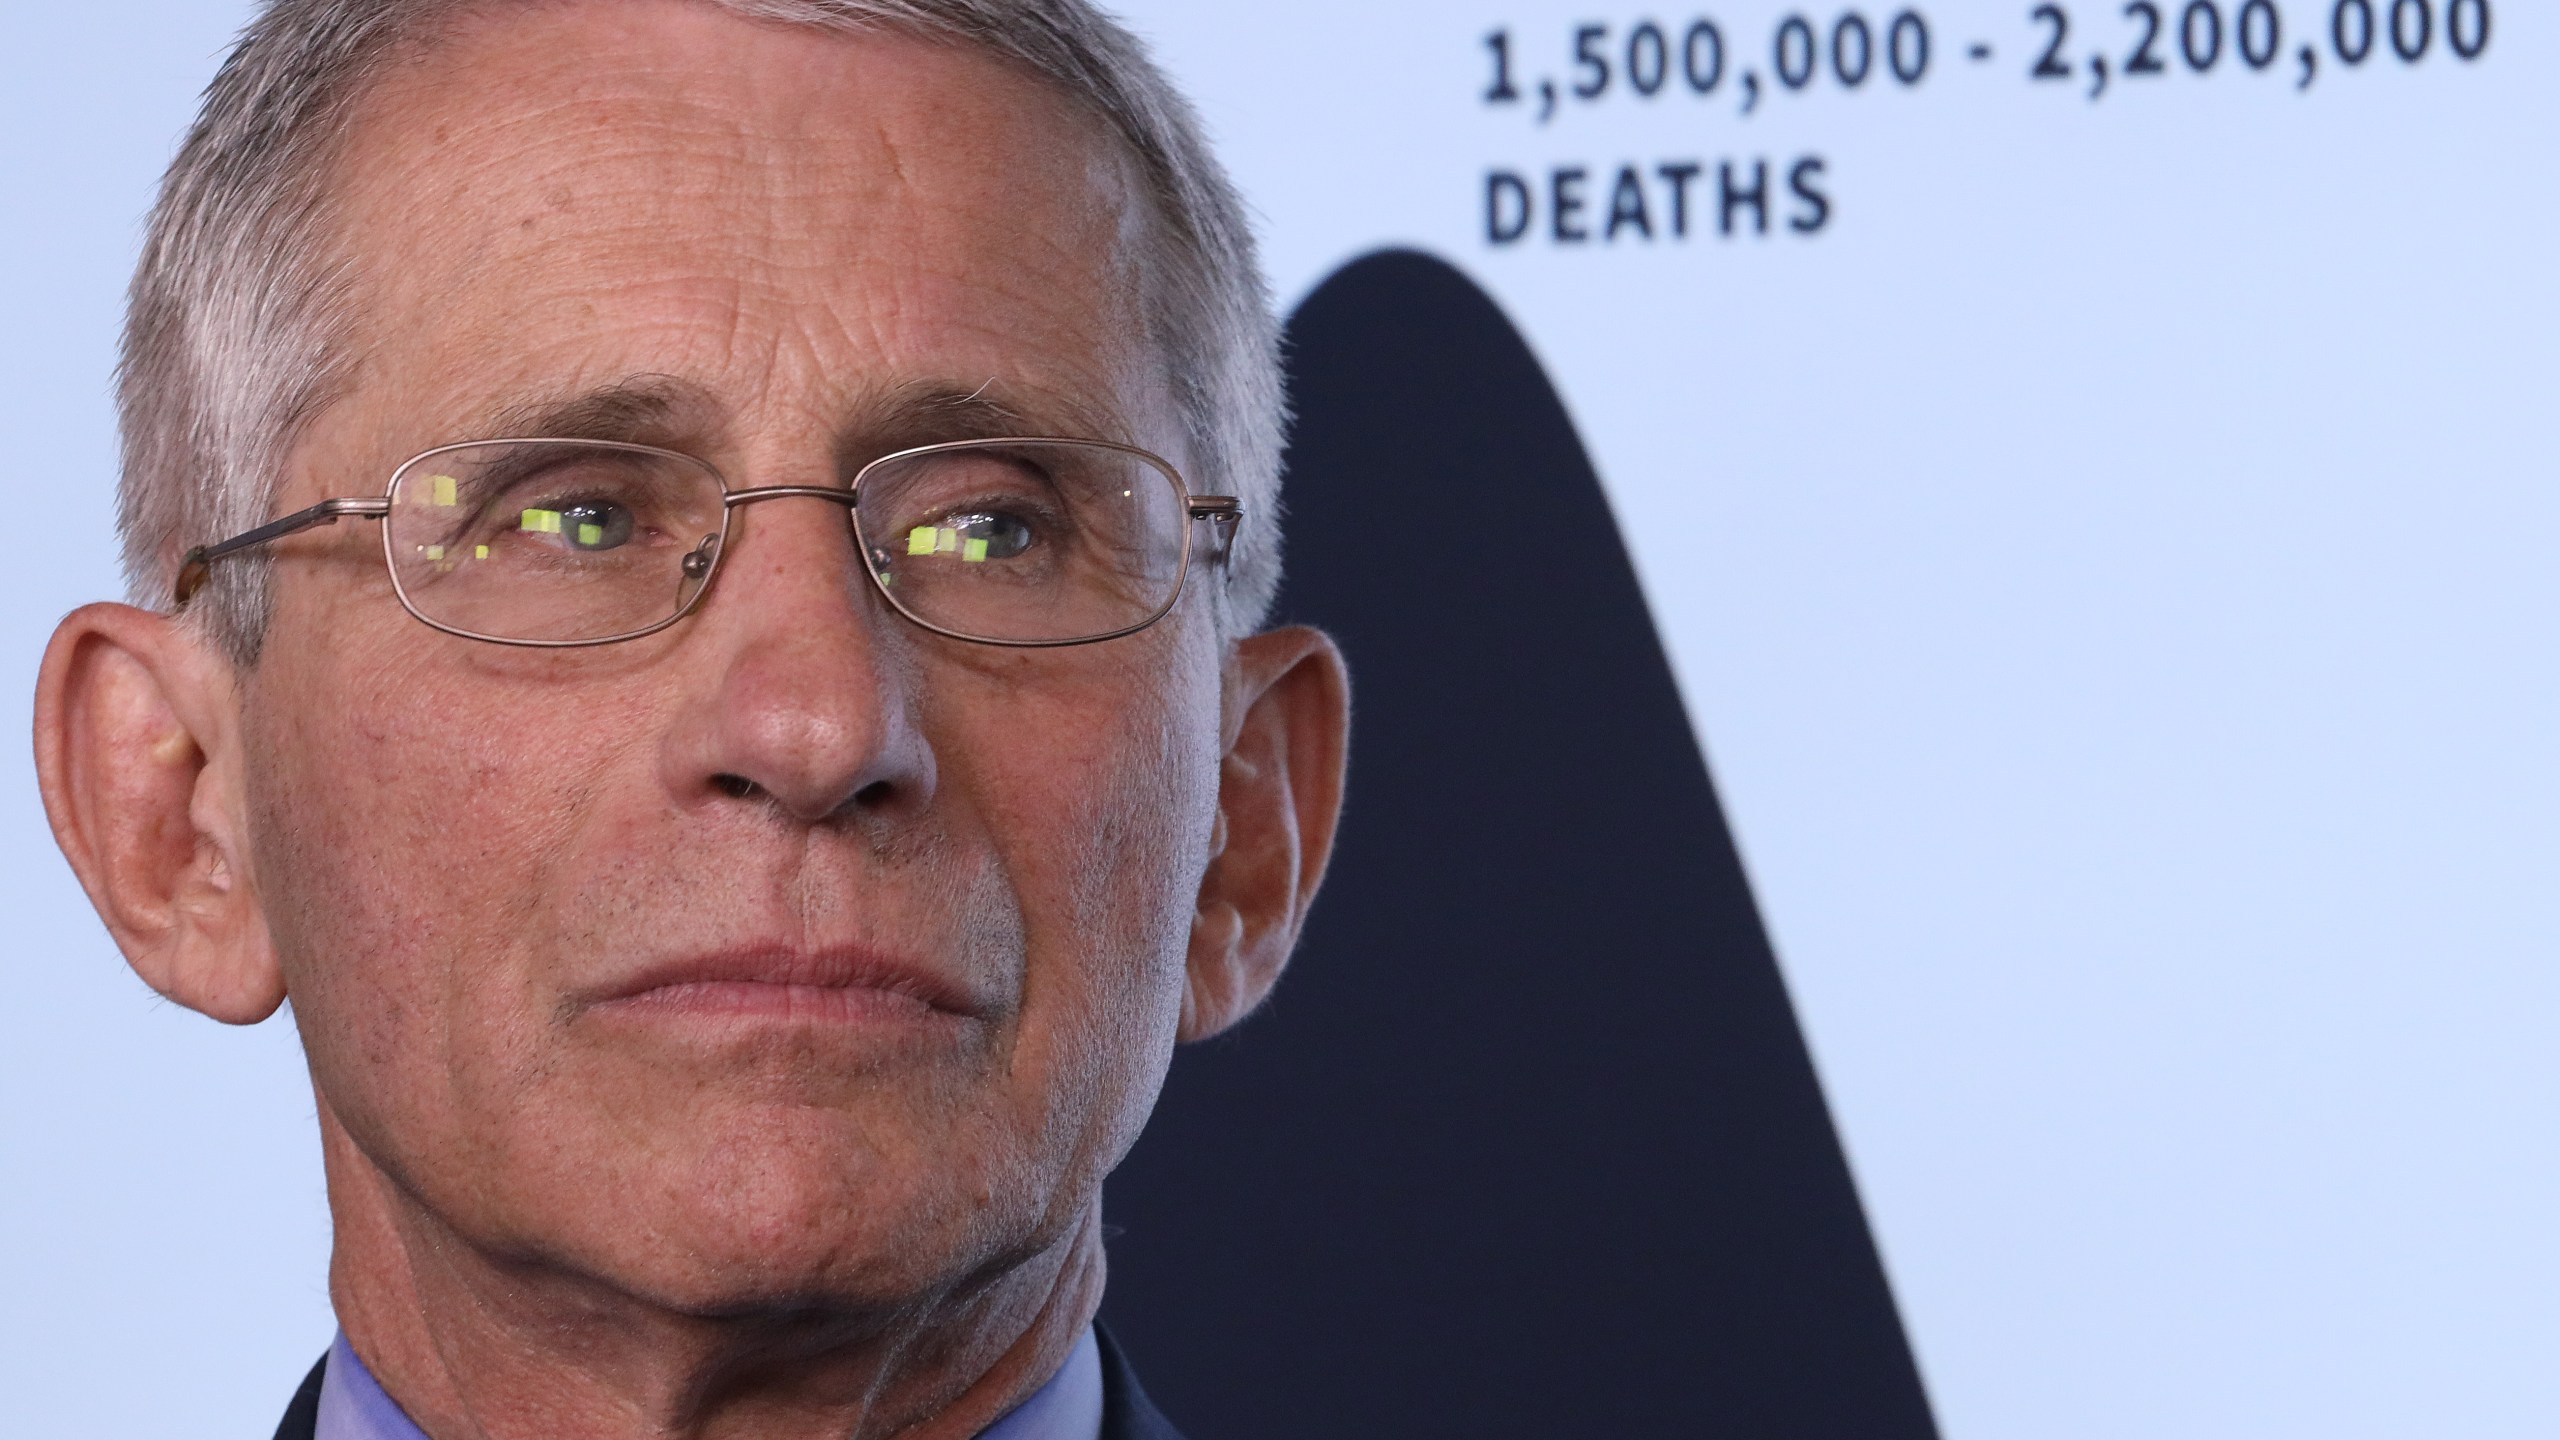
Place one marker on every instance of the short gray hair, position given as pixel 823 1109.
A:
pixel 229 344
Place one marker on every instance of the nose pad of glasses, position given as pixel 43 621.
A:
pixel 698 563
pixel 1222 532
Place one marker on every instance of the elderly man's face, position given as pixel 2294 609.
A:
pixel 794 950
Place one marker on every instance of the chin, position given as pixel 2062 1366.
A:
pixel 795 1210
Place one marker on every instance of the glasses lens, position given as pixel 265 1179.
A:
pixel 553 540
pixel 1025 541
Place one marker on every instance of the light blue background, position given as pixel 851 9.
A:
pixel 163 1240
pixel 2112 571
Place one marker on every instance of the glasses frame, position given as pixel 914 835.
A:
pixel 1223 512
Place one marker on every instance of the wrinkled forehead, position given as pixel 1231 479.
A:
pixel 784 218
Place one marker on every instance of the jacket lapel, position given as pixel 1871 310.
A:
pixel 302 1417
pixel 1127 1414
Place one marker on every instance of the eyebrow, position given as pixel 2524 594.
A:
pixel 644 408
pixel 921 412
pixel 670 411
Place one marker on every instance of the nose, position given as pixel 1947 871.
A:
pixel 802 696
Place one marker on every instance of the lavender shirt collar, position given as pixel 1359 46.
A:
pixel 354 1407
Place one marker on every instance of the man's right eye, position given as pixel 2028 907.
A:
pixel 586 525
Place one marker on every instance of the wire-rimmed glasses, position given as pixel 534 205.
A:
pixel 546 541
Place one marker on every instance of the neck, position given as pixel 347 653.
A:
pixel 481 1347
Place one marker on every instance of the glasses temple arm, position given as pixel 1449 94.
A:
pixel 196 568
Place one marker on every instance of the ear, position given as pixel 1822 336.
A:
pixel 137 753
pixel 1288 727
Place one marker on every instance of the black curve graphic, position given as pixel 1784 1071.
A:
pixel 1528 1144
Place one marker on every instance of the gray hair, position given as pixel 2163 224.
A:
pixel 229 351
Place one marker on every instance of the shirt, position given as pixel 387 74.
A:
pixel 353 1405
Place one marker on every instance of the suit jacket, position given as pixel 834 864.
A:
pixel 1127 1414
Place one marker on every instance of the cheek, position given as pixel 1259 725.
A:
pixel 1110 803
pixel 1100 799
pixel 406 834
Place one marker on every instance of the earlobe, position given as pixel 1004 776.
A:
pixel 1279 797
pixel 137 756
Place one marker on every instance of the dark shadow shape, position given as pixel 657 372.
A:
pixel 1528 1143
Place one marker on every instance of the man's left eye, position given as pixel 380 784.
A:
pixel 975 537
pixel 1006 536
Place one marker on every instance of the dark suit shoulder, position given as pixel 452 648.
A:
pixel 302 1417
pixel 1127 1413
